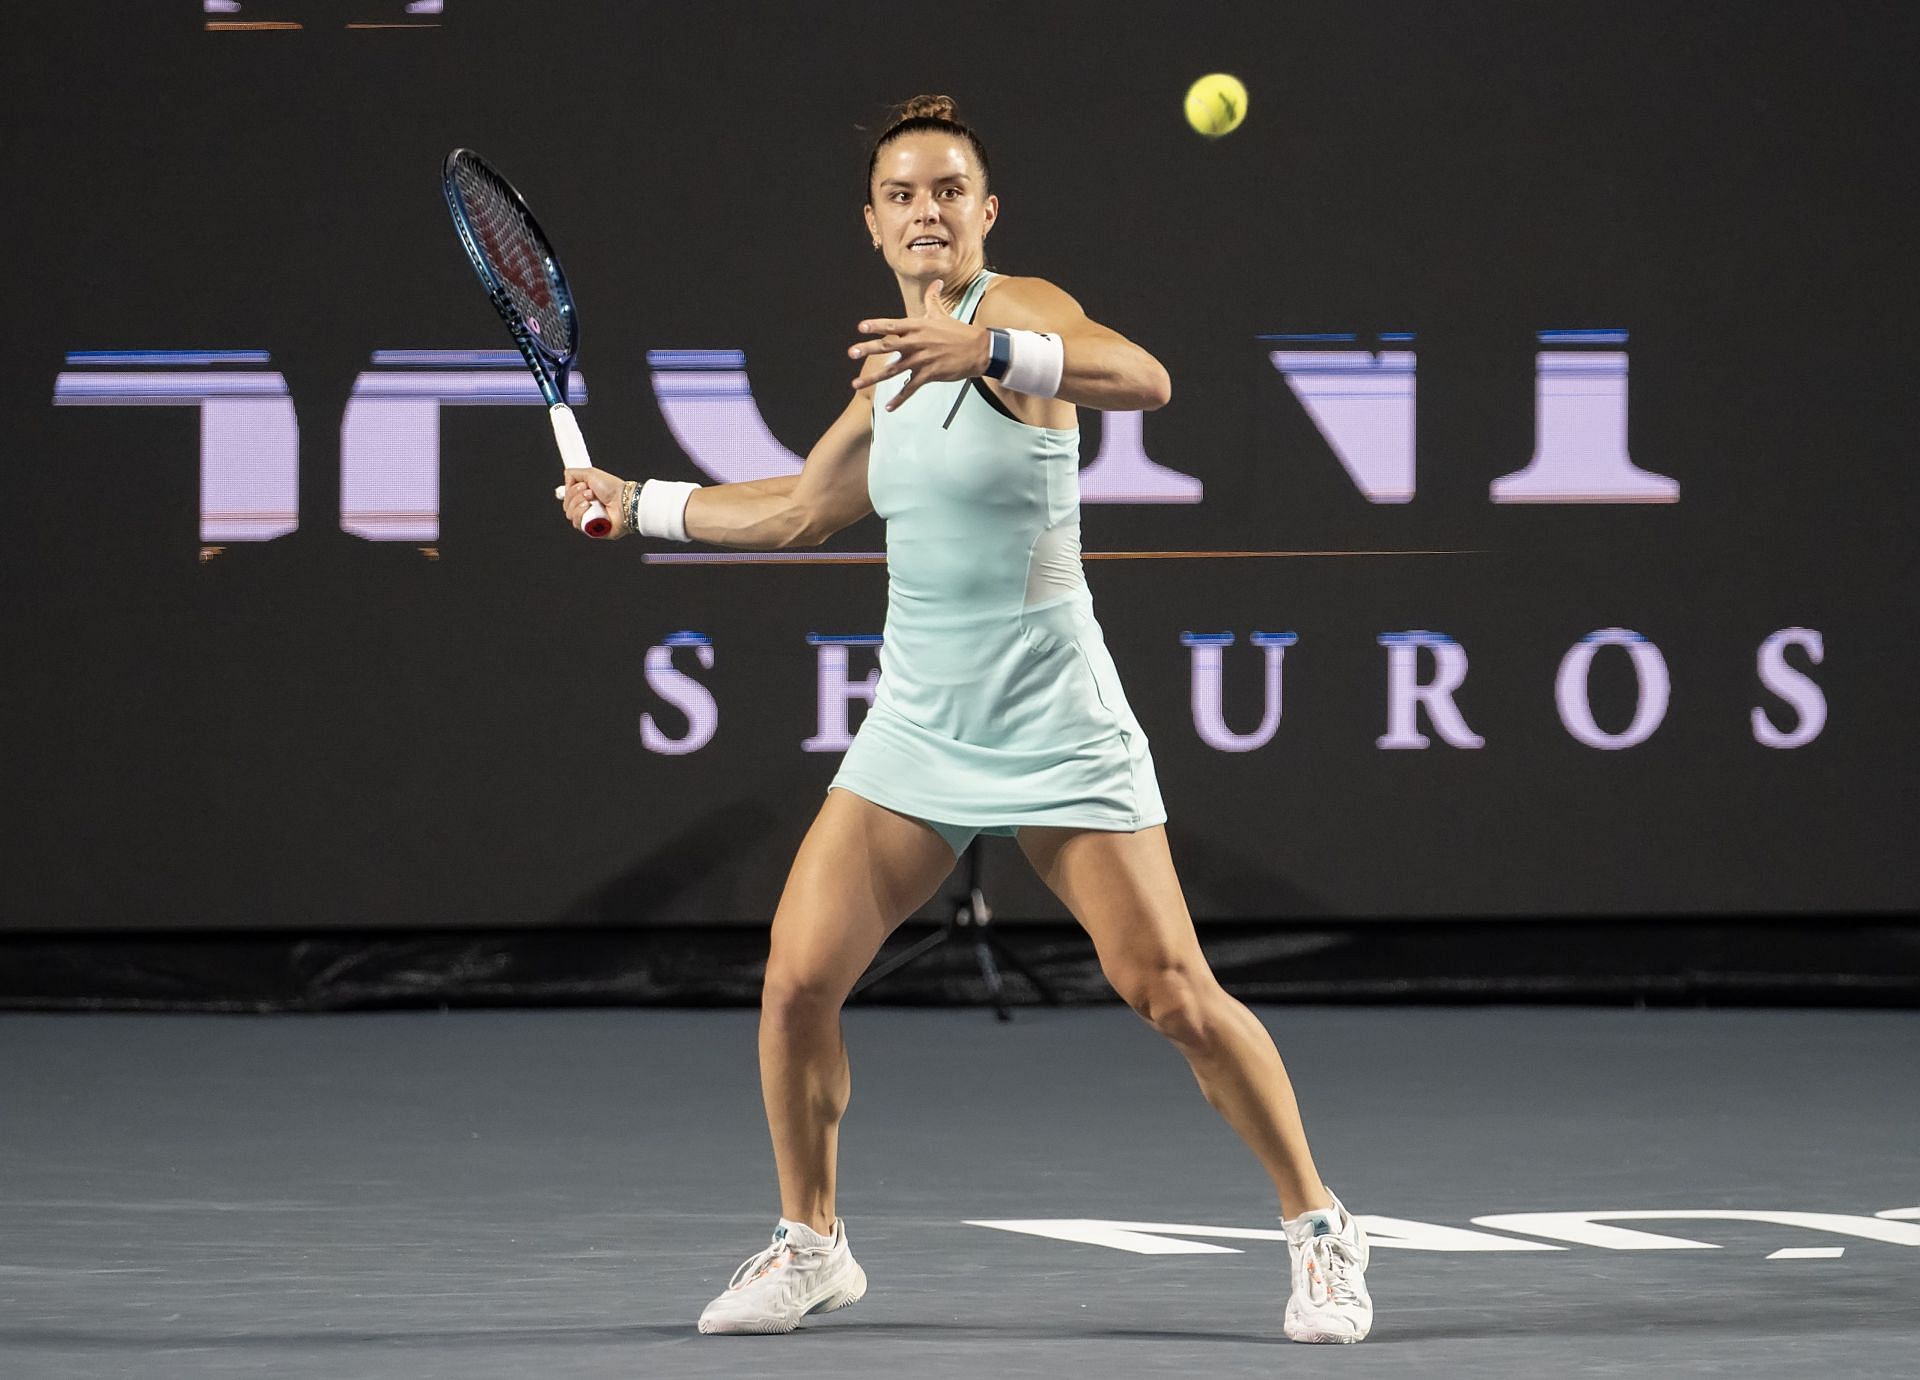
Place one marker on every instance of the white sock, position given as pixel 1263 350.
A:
pixel 800 1234
pixel 1326 1221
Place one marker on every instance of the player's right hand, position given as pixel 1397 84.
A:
pixel 585 486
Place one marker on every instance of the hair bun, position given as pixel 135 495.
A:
pixel 932 113
pixel 928 108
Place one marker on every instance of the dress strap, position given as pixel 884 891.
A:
pixel 970 299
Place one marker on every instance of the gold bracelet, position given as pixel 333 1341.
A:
pixel 630 504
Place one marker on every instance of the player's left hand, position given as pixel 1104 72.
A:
pixel 934 348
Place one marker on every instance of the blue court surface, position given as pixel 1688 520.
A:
pixel 1551 1192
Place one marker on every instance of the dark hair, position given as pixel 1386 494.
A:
pixel 929 113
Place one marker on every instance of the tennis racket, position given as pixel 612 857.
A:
pixel 522 276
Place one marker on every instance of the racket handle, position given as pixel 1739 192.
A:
pixel 573 454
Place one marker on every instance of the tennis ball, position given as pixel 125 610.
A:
pixel 1216 104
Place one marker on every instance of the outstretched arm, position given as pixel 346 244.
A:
pixel 804 509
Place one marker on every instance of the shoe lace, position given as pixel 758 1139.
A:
pixel 772 1258
pixel 779 1252
pixel 1333 1262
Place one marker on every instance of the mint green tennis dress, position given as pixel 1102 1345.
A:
pixel 998 705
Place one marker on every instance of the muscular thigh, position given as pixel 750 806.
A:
pixel 1124 892
pixel 860 871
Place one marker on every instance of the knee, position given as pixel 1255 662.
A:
pixel 794 994
pixel 1175 1000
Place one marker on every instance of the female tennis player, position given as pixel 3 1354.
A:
pixel 998 711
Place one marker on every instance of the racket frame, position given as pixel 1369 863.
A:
pixel 550 368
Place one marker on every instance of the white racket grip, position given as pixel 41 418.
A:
pixel 566 431
pixel 573 454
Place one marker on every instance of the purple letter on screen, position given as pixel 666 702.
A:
pixel 390 435
pixel 1209 689
pixel 1580 429
pixel 1362 402
pixel 249 438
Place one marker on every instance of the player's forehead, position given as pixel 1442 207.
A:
pixel 925 156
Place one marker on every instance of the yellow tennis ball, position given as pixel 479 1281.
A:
pixel 1216 104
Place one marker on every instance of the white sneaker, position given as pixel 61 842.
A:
pixel 1329 1302
pixel 801 1272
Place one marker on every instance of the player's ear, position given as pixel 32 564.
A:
pixel 873 226
pixel 991 212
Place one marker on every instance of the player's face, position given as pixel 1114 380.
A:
pixel 929 209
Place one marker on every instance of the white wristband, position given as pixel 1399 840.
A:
pixel 663 508
pixel 1034 363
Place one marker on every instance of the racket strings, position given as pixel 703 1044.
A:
pixel 517 254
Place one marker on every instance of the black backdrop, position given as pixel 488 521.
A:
pixel 322 730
